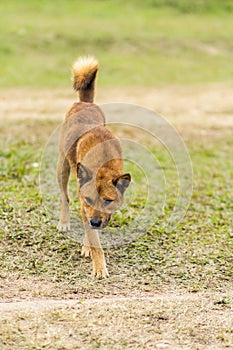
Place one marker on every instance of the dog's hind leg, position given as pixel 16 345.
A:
pixel 63 173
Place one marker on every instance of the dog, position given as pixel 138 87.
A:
pixel 94 155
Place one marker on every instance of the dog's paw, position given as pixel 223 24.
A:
pixel 86 251
pixel 98 260
pixel 100 272
pixel 63 227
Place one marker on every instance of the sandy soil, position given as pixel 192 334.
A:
pixel 208 105
pixel 174 320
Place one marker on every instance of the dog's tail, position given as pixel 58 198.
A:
pixel 84 74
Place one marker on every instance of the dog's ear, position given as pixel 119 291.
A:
pixel 122 182
pixel 83 173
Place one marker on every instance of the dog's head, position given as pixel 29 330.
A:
pixel 101 194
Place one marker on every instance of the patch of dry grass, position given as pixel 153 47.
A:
pixel 168 321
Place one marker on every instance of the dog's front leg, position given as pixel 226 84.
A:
pixel 92 247
pixel 63 172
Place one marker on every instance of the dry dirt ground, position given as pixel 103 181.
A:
pixel 37 314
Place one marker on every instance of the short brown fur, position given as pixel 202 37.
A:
pixel 94 155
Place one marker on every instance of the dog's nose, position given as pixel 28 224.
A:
pixel 96 222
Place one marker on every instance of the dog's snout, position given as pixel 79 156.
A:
pixel 95 222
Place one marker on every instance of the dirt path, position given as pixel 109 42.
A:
pixel 40 305
pixel 162 321
pixel 37 314
pixel 177 103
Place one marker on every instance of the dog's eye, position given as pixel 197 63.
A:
pixel 88 200
pixel 107 201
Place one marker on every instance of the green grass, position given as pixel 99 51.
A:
pixel 196 254
pixel 157 42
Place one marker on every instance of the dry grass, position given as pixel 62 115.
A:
pixel 169 321
pixel 192 109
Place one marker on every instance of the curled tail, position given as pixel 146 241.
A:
pixel 84 73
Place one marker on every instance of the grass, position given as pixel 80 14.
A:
pixel 196 254
pixel 157 42
pixel 193 260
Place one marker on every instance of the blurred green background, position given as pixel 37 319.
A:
pixel 149 42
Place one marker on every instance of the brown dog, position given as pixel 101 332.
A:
pixel 94 155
